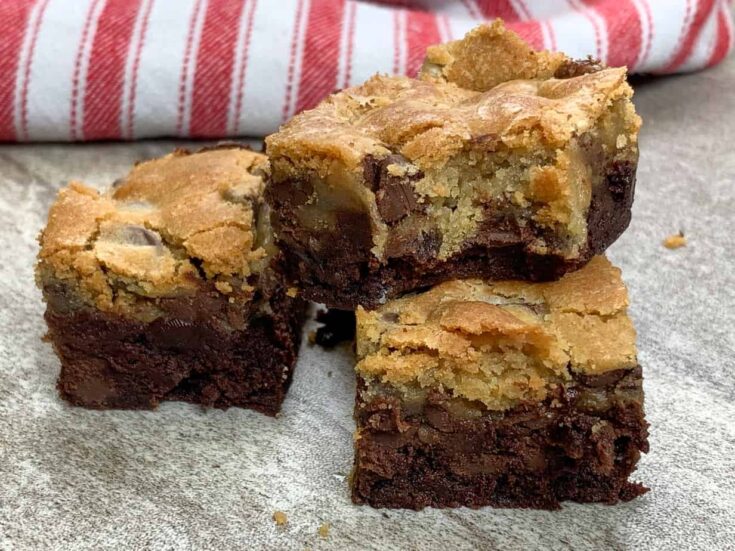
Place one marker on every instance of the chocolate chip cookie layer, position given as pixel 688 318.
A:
pixel 169 287
pixel 497 162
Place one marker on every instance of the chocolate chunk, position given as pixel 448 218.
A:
pixel 578 67
pixel 499 231
pixel 394 193
pixel 371 170
pixel 290 193
pixel 422 246
pixel 395 200
pixel 198 308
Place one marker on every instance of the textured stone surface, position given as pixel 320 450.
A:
pixel 181 478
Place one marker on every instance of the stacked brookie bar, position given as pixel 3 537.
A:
pixel 446 210
pixel 497 163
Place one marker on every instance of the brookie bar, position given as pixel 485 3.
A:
pixel 509 394
pixel 168 287
pixel 497 162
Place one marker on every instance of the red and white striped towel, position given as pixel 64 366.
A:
pixel 127 69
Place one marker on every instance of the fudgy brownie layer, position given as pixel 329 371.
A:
pixel 111 362
pixel 346 274
pixel 581 444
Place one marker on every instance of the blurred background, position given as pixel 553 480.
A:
pixel 80 70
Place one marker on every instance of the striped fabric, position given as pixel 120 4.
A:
pixel 127 69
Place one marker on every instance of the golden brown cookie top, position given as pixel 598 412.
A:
pixel 488 90
pixel 505 56
pixel 160 231
pixel 503 342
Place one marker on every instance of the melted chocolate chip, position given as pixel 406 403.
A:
pixel 578 67
pixel 290 193
pixel 394 194
pixel 422 246
pixel 495 231
pixel 354 236
pixel 140 236
pixel 396 200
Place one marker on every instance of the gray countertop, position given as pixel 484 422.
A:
pixel 183 478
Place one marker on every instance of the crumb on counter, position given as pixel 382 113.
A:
pixel 312 338
pixel 675 241
pixel 280 518
pixel 324 530
pixel 292 292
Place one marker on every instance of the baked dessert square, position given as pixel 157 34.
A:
pixel 509 394
pixel 497 162
pixel 169 287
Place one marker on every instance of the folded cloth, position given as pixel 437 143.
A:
pixel 128 69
